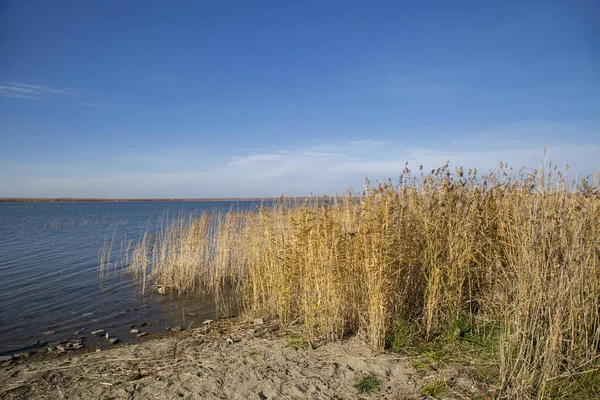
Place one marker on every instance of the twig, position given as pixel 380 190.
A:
pixel 60 391
pixel 13 388
pixel 95 363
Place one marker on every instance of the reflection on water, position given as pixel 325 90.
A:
pixel 51 288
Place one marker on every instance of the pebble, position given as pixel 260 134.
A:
pixel 229 341
pixel 99 332
pixel 107 336
pixel 65 345
pixel 207 322
pixel 113 340
pixel 135 331
pixel 142 334
pixel 177 328
pixel 259 321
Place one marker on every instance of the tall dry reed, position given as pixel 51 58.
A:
pixel 519 250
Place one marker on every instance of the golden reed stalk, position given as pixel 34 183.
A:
pixel 520 251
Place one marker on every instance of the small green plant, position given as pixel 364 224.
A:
pixel 401 337
pixel 434 389
pixel 368 384
pixel 467 341
pixel 420 365
pixel 460 329
pixel 296 341
pixel 437 356
pixel 253 352
pixel 584 386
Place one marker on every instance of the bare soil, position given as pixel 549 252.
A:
pixel 230 359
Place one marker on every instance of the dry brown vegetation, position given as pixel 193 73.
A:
pixel 512 256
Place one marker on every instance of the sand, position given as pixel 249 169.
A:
pixel 230 359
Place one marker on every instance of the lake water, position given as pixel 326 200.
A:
pixel 50 286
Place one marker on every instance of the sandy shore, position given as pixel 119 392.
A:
pixel 230 359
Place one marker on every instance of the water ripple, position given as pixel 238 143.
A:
pixel 48 266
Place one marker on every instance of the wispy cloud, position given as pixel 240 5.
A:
pixel 318 168
pixel 254 159
pixel 35 92
pixel 19 92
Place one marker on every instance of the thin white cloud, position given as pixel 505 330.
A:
pixel 27 91
pixel 16 95
pixel 254 159
pixel 22 90
pixel 302 170
pixel 317 154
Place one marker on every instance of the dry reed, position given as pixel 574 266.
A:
pixel 518 250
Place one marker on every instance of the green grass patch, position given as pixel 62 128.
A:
pixel 401 337
pixel 434 389
pixel 420 365
pixel 577 386
pixel 296 341
pixel 437 356
pixel 368 384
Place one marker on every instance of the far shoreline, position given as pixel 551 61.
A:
pixel 124 200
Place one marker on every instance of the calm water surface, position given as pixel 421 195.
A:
pixel 50 286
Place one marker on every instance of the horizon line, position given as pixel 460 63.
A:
pixel 141 199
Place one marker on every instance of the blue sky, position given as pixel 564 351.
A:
pixel 253 98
